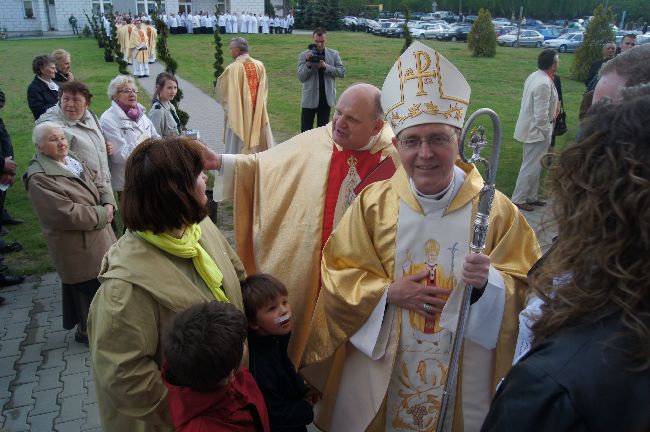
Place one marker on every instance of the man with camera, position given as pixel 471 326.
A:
pixel 318 68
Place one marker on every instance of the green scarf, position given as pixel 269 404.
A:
pixel 188 247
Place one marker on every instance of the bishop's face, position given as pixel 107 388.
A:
pixel 431 163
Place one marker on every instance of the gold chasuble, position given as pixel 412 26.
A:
pixel 139 42
pixel 391 389
pixel 242 91
pixel 152 36
pixel 282 198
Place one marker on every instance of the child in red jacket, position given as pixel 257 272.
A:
pixel 208 391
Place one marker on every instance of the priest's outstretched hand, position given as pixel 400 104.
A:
pixel 476 269
pixel 409 293
pixel 211 160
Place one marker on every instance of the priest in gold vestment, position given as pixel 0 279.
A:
pixel 288 199
pixel 139 44
pixel 123 37
pixel 242 91
pixel 380 341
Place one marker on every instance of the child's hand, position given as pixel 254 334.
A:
pixel 313 396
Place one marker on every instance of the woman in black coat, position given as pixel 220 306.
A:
pixel 589 367
pixel 43 92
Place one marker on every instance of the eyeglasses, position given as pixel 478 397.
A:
pixel 128 91
pixel 433 141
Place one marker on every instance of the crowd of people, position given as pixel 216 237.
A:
pixel 339 301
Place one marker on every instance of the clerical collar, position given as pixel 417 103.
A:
pixel 243 56
pixel 436 196
pixel 441 200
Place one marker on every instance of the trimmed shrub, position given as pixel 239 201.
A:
pixel 598 33
pixel 482 38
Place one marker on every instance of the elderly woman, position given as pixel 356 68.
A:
pixel 62 61
pixel 75 209
pixel 125 125
pixel 43 92
pixel 81 127
pixel 589 367
pixel 162 113
pixel 171 257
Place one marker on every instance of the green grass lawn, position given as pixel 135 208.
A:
pixel 496 83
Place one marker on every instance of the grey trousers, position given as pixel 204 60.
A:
pixel 528 180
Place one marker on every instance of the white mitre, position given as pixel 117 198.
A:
pixel 424 87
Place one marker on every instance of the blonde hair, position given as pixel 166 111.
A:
pixel 60 55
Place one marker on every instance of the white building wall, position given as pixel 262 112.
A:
pixel 13 17
pixel 65 8
pixel 251 6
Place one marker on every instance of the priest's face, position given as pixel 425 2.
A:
pixel 355 121
pixel 428 153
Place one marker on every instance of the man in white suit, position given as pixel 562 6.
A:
pixel 539 107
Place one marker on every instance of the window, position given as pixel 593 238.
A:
pixel 29 8
pixel 185 6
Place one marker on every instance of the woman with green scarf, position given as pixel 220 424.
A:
pixel 171 257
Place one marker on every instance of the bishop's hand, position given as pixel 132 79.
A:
pixel 476 269
pixel 409 293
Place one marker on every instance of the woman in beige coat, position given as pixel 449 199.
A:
pixel 171 257
pixel 75 209
pixel 81 127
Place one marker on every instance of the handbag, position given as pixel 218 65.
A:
pixel 560 122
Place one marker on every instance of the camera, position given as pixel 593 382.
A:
pixel 316 56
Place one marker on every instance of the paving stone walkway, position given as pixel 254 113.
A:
pixel 45 378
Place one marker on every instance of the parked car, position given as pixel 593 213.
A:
pixel 470 19
pixel 458 32
pixel 526 38
pixel 395 30
pixel 429 31
pixel 500 31
pixel 372 25
pixel 568 42
pixel 499 22
pixel 550 32
pixel 381 29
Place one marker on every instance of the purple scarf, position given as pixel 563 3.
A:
pixel 132 113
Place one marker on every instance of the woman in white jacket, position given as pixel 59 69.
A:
pixel 125 125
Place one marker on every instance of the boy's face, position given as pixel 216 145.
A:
pixel 274 318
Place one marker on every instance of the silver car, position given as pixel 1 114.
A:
pixel 568 42
pixel 531 38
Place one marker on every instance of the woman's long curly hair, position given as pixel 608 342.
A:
pixel 601 192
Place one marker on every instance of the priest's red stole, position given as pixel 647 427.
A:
pixel 342 161
pixel 253 81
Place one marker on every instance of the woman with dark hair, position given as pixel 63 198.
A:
pixel 81 127
pixel 162 113
pixel 589 367
pixel 171 257
pixel 43 92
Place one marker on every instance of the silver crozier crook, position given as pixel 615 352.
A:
pixel 477 142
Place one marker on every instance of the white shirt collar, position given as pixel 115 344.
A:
pixel 51 84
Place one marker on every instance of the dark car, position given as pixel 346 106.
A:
pixel 361 25
pixel 396 30
pixel 457 33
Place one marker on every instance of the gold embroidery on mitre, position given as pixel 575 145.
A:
pixel 430 108
pixel 424 73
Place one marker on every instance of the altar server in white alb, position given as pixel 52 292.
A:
pixel 380 341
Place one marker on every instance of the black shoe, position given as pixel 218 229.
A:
pixel 3 231
pixel 8 280
pixel 81 338
pixel 10 220
pixel 2 300
pixel 11 247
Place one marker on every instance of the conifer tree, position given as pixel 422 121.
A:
pixel 333 15
pixel 482 38
pixel 218 56
pixel 408 37
pixel 598 34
